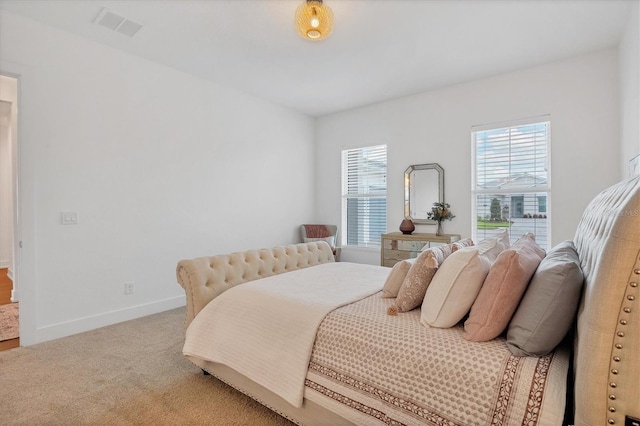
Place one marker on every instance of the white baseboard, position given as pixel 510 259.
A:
pixel 14 291
pixel 4 264
pixel 80 325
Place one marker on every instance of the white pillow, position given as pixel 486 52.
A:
pixel 396 278
pixel 503 238
pixel 457 283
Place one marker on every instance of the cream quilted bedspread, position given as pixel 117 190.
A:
pixel 265 329
pixel 373 368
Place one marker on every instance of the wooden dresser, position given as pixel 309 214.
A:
pixel 397 246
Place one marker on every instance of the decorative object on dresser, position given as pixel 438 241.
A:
pixel 439 212
pixel 396 246
pixel 407 226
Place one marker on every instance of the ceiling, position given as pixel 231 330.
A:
pixel 379 49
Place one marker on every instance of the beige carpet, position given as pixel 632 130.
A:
pixel 131 373
pixel 9 321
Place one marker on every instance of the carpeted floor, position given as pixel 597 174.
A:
pixel 131 373
pixel 9 321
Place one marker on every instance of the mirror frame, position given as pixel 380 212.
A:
pixel 407 189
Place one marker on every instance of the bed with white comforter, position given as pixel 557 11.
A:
pixel 312 339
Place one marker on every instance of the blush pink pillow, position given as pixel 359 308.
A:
pixel 502 290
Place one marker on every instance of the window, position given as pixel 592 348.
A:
pixel 511 186
pixel 364 195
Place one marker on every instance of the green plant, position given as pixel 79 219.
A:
pixel 440 212
pixel 496 211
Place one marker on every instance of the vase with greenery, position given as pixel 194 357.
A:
pixel 440 212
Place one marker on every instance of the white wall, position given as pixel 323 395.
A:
pixel 581 94
pixel 160 165
pixel 629 54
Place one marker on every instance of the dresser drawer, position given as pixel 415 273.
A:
pixel 400 254
pixel 396 246
pixel 392 244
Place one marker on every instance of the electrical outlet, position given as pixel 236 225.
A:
pixel 631 421
pixel 128 288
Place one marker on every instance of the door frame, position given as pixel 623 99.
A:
pixel 24 264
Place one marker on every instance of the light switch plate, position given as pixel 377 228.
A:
pixel 69 218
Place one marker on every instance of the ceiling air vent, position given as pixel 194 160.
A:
pixel 109 19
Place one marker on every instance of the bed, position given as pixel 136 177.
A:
pixel 313 340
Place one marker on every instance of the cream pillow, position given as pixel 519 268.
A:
pixel 457 283
pixel 467 242
pixel 419 277
pixel 503 240
pixel 396 278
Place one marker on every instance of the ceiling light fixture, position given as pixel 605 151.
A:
pixel 314 20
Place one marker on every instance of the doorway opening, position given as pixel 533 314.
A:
pixel 9 306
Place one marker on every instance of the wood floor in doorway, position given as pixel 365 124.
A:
pixel 6 285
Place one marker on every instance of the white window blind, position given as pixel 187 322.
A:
pixel 511 182
pixel 364 195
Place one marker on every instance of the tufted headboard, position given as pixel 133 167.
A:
pixel 607 345
pixel 205 278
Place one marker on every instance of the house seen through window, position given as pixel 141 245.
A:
pixel 364 195
pixel 511 183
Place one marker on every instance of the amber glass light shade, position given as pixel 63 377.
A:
pixel 314 20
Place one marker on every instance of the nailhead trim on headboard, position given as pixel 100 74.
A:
pixel 608 322
pixel 618 359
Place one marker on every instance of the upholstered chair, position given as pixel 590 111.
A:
pixel 328 233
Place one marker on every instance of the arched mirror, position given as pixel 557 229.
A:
pixel 423 186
